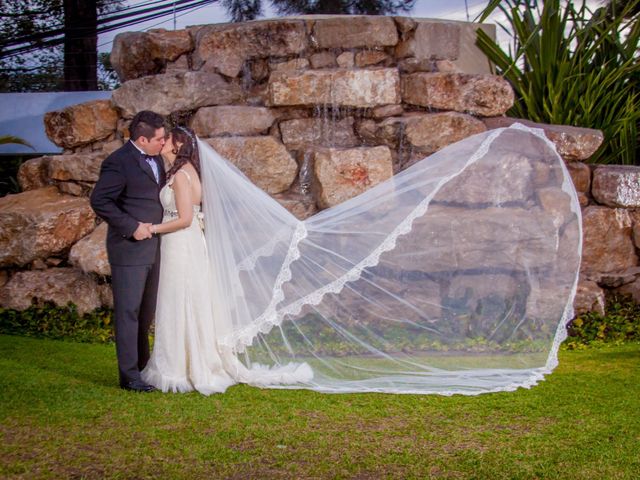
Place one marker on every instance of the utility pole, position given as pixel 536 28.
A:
pixel 80 45
pixel 174 15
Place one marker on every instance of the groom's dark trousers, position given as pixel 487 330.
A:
pixel 125 195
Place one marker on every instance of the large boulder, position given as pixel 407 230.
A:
pixel 431 40
pixel 301 206
pixel 34 173
pixel 490 183
pixel 106 295
pixel 368 58
pixel 491 303
pixel 136 54
pixel 324 59
pixel 180 65
pixel 431 132
pixel 58 285
pixel 90 253
pixel 344 173
pixel 451 46
pixel 631 289
pixel 558 203
pixel 546 303
pixel 572 143
pixel 82 167
pixel 232 120
pixel 617 185
pixel 485 95
pixel 169 93
pixel 580 175
pixel 423 133
pixel 40 223
pixel 349 31
pixel 301 88
pixel 302 133
pixel 81 124
pixel 346 60
pixel 607 241
pixel 225 48
pixel 365 88
pixel 385 111
pixel 589 298
pixel 616 279
pixel 290 65
pixel 478 239
pixel 470 58
pixel 353 88
pixel 263 159
pixel 422 294
pixel 389 132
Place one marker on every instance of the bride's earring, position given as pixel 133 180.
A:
pixel 174 151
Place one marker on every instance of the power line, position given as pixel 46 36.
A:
pixel 102 20
pixel 107 43
pixel 164 21
pixel 145 29
pixel 58 36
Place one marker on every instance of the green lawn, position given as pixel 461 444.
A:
pixel 62 416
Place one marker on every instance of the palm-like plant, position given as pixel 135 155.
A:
pixel 570 65
pixel 9 167
pixel 9 139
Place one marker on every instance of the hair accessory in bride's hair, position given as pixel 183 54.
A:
pixel 189 134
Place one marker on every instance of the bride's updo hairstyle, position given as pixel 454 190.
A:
pixel 188 151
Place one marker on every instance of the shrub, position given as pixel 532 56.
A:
pixel 51 321
pixel 620 323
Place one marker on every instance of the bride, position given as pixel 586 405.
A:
pixel 185 353
pixel 456 275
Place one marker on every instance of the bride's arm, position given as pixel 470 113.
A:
pixel 182 191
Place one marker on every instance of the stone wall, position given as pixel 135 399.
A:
pixel 314 110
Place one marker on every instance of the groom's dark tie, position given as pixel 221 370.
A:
pixel 154 166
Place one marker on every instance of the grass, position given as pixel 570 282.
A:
pixel 61 416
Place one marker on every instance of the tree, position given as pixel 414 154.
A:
pixel 242 10
pixel 334 7
pixel 48 25
pixel 80 45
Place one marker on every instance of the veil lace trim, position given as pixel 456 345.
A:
pixel 249 263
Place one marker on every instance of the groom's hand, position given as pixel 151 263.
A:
pixel 143 231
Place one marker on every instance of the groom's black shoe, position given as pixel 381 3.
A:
pixel 137 386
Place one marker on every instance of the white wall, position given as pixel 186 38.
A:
pixel 22 115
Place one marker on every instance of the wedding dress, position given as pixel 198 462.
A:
pixel 185 354
pixel 456 275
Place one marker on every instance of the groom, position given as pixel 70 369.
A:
pixel 126 196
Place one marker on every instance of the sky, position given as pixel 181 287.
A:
pixel 215 13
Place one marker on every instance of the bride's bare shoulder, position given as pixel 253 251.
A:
pixel 189 172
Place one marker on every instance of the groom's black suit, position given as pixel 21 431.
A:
pixel 125 195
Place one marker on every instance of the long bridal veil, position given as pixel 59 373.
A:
pixel 457 275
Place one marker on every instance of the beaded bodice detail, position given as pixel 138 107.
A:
pixel 168 201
